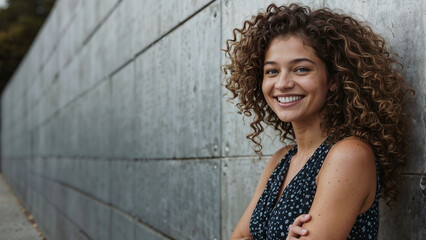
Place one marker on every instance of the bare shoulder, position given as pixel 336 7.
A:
pixel 351 150
pixel 349 158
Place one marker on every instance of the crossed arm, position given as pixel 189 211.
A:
pixel 346 187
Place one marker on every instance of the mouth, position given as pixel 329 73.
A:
pixel 289 99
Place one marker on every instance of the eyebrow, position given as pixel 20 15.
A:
pixel 297 60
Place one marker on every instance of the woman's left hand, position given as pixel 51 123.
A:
pixel 295 230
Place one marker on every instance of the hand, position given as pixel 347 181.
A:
pixel 295 230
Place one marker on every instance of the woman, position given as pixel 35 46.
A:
pixel 327 82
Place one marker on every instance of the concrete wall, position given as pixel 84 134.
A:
pixel 114 125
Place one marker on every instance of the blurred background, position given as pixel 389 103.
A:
pixel 20 20
pixel 114 124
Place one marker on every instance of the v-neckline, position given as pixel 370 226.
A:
pixel 293 151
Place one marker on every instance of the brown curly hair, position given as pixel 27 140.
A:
pixel 370 92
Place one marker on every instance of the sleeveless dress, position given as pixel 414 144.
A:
pixel 269 222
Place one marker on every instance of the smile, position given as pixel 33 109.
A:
pixel 289 99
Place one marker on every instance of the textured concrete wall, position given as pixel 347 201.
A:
pixel 114 125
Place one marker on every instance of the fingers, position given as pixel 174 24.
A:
pixel 302 219
pixel 295 230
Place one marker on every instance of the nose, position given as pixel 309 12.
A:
pixel 284 81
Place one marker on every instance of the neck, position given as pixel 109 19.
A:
pixel 308 136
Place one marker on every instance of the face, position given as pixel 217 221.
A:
pixel 294 83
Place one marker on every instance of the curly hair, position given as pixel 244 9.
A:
pixel 370 95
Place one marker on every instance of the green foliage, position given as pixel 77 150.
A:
pixel 20 22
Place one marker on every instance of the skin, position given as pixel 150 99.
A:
pixel 346 184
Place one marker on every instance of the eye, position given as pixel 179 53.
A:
pixel 302 70
pixel 271 71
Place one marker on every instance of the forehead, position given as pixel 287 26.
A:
pixel 288 48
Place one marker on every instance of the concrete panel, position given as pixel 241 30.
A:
pixel 31 65
pixel 94 122
pixel 122 226
pixel 50 101
pixel 35 92
pixel 43 136
pixel 35 53
pixel 94 12
pixel 239 180
pixel 56 226
pixel 56 136
pixel 33 96
pixel 66 11
pixel 143 232
pixel 36 142
pixel 45 215
pixel 123 113
pixel 21 147
pixel 154 18
pixel 72 33
pixel 67 142
pixel 87 68
pixel 104 61
pixel 64 229
pixel 67 46
pixel 234 129
pixel 406 42
pixel 18 178
pixel 69 82
pixel 86 213
pixel 115 34
pixel 49 37
pixel 90 216
pixel 178 198
pixel 86 23
pixel 406 220
pixel 180 74
pixel 122 186
pixel 90 176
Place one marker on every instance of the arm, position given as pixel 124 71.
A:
pixel 242 230
pixel 346 187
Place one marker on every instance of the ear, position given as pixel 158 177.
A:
pixel 333 87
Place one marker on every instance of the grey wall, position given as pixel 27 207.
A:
pixel 114 125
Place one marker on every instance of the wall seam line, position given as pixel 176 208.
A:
pixel 99 201
pixel 172 29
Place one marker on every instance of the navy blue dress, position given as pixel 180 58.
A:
pixel 269 222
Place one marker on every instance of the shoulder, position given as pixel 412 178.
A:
pixel 351 151
pixel 350 161
pixel 345 189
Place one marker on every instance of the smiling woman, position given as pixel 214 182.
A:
pixel 294 83
pixel 325 81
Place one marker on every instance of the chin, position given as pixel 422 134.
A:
pixel 285 118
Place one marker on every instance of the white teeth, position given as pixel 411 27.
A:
pixel 289 99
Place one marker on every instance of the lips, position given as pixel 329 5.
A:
pixel 289 99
